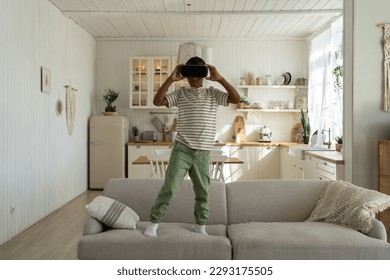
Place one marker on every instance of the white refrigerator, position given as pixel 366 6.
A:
pixel 108 137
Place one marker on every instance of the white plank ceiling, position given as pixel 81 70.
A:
pixel 200 19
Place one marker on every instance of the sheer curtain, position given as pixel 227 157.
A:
pixel 324 100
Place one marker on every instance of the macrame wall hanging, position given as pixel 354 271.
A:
pixel 70 107
pixel 386 65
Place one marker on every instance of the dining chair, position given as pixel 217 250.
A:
pixel 159 162
pixel 217 162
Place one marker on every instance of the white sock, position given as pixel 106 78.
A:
pixel 151 230
pixel 200 229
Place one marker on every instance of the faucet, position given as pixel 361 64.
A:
pixel 329 142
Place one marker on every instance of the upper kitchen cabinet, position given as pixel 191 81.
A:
pixel 147 74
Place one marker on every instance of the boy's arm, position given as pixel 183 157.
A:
pixel 233 97
pixel 159 98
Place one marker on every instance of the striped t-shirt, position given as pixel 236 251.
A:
pixel 197 122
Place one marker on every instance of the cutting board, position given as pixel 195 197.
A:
pixel 239 128
pixel 174 126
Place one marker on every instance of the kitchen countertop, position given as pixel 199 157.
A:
pixel 331 156
pixel 230 144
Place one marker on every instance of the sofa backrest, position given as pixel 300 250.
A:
pixel 140 194
pixel 272 200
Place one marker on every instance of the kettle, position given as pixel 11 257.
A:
pixel 264 134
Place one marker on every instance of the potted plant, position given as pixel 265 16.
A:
pixel 243 102
pixel 135 132
pixel 339 144
pixel 306 127
pixel 110 97
pixel 337 72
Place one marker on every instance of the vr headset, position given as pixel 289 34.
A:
pixel 195 71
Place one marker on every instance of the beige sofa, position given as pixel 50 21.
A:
pixel 248 220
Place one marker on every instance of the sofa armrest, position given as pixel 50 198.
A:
pixel 378 230
pixel 93 226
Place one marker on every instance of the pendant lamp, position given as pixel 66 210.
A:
pixel 188 50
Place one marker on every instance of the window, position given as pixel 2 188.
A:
pixel 325 92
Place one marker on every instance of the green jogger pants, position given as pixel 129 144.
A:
pixel 183 160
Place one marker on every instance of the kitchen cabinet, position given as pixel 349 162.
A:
pixel 276 98
pixel 310 167
pixel 285 162
pixel 268 163
pixel 246 171
pixel 135 170
pixel 324 165
pixel 153 149
pixel 328 171
pixel 384 179
pixel 290 167
pixel 259 163
pixel 147 74
pixel 298 168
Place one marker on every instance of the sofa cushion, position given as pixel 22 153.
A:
pixel 140 195
pixel 303 241
pixel 112 213
pixel 176 241
pixel 345 204
pixel 272 200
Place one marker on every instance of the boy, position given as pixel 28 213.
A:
pixel 196 135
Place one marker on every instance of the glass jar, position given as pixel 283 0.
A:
pixel 242 81
pixel 269 80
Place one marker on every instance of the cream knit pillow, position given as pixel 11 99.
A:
pixel 348 205
pixel 112 213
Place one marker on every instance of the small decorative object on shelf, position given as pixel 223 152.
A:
pixel 250 78
pixel 301 82
pixel 306 127
pixel 135 132
pixel 243 102
pixel 268 80
pixel 339 144
pixel 110 97
pixel 259 81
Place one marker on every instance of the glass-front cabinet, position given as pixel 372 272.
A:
pixel 147 74
pixel 179 84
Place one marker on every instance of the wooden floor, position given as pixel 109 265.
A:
pixel 54 237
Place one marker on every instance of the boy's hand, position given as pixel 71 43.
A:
pixel 175 76
pixel 214 75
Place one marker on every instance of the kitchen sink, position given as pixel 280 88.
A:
pixel 299 151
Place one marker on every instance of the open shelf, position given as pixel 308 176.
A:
pixel 265 87
pixel 270 110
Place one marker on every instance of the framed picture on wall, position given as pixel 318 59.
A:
pixel 45 79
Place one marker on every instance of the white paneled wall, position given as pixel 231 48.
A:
pixel 232 58
pixel 41 166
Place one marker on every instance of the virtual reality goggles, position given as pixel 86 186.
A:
pixel 194 71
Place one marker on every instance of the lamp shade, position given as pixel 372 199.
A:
pixel 188 50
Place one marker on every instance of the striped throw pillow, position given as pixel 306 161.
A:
pixel 112 213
